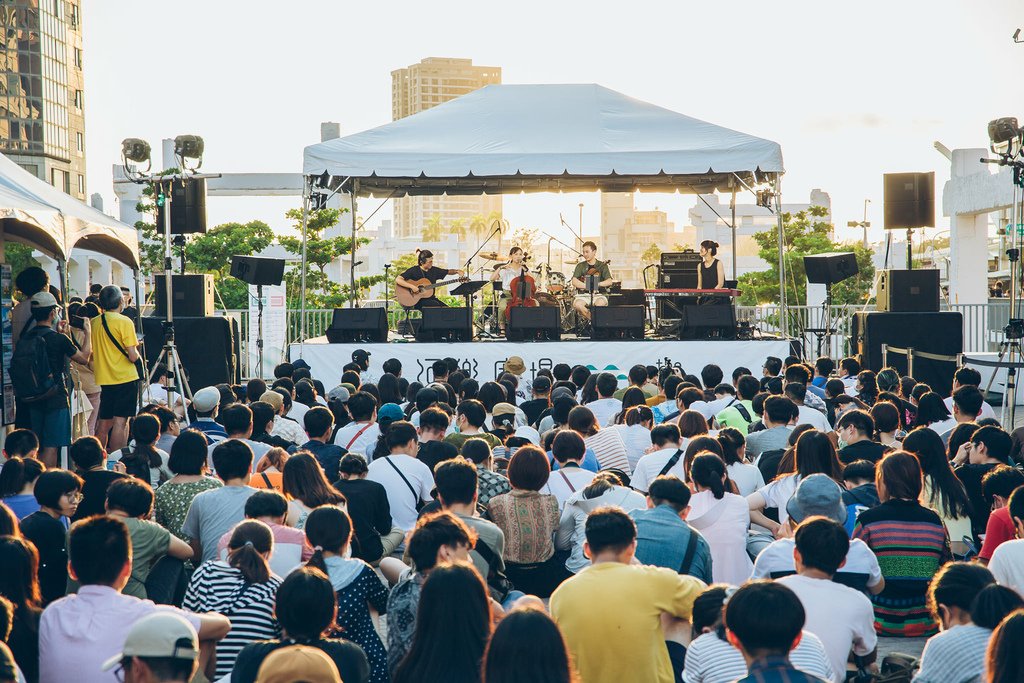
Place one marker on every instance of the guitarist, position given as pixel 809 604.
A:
pixel 425 269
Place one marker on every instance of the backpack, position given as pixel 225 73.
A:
pixel 31 374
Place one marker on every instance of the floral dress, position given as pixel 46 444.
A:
pixel 356 585
pixel 173 500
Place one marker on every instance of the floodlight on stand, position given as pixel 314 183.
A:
pixel 1003 133
pixel 189 147
pixel 136 151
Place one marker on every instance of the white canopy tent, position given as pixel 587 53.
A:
pixel 544 138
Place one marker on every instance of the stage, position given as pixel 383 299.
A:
pixel 484 359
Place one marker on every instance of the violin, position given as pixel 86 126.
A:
pixel 522 290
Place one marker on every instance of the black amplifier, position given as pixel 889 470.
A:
pixel 680 260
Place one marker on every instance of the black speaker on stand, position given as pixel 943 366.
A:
pixel 358 325
pixel 909 204
pixel 618 322
pixel 188 207
pixel 191 295
pixel 259 271
pixel 828 269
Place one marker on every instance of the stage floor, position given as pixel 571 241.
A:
pixel 484 360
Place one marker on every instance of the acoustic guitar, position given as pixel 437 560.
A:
pixel 424 290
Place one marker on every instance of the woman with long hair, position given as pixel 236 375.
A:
pixel 941 491
pixel 17 482
pixel 635 430
pixel 606 443
pixel 242 588
pixel 692 424
pixel 270 470
pixel 721 517
pixel 144 460
pixel 866 387
pixel 932 413
pixel 814 453
pixel 588 394
pixel 1004 659
pixel 453 625
pixel 387 385
pixel 695 446
pixel 356 586
pixel 20 585
pixel 188 463
pixel 958 438
pixel 306 487
pixel 527 647
pixel 633 396
pixel 911 544
pixel 745 476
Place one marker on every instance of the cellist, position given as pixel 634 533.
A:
pixel 507 272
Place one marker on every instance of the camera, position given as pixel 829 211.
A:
pixel 1014 329
pixel 77 322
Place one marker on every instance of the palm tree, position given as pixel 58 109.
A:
pixel 432 230
pixel 477 226
pixel 458 228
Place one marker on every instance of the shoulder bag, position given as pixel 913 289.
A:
pixel 419 503
pixel 139 367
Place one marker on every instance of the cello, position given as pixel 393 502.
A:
pixel 521 289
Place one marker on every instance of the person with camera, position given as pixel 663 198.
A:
pixel 116 352
pixel 40 373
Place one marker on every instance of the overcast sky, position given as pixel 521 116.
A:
pixel 850 90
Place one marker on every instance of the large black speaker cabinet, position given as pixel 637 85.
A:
pixel 708 322
pixel 258 270
pixel 358 325
pixel 191 295
pixel 209 348
pixel 828 269
pixel 909 200
pixel 445 324
pixel 188 208
pixel 908 290
pixel 618 322
pixel 682 279
pixel 938 332
pixel 534 323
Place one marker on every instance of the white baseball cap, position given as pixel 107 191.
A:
pixel 160 634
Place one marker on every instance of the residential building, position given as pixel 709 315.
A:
pixel 627 233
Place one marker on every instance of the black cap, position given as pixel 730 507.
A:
pixel 360 354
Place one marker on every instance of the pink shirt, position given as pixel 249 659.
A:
pixel 290 549
pixel 79 632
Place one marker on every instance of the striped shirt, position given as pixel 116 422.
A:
pixel 911 544
pixel 954 656
pixel 609 449
pixel 219 587
pixel 710 659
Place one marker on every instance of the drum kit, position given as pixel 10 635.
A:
pixel 553 289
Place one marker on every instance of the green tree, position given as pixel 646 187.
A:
pixel 804 233
pixel 151 238
pixel 478 227
pixel 458 228
pixel 321 251
pixel 19 257
pixel 211 252
pixel 652 254
pixel 433 230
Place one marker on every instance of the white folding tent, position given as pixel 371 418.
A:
pixel 545 138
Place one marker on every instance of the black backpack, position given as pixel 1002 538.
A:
pixel 31 374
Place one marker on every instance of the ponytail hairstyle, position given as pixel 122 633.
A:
pixel 249 541
pixel 17 473
pixel 708 471
pixel 638 415
pixel 731 440
pixel 276 457
pixel 711 246
pixel 423 255
pixel 328 529
pixel 145 431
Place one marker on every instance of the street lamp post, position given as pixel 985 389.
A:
pixel 581 222
pixel 865 224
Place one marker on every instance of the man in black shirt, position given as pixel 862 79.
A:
pixel 433 427
pixel 989 447
pixel 50 418
pixel 855 428
pixel 424 268
pixel 375 535
pixel 540 401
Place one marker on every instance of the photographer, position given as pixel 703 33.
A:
pixel 47 398
pixel 114 364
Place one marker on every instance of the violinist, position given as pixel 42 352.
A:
pixel 590 266
pixel 506 273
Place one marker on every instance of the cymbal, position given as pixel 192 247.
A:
pixel 570 263
pixel 489 255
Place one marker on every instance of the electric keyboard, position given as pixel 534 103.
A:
pixel 718 292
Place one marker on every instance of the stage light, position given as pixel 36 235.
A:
pixel 135 150
pixel 189 147
pixel 324 180
pixel 1002 133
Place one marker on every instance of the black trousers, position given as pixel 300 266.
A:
pixel 430 302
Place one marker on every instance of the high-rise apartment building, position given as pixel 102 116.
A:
pixel 419 87
pixel 42 108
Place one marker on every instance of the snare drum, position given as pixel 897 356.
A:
pixel 556 282
pixel 545 299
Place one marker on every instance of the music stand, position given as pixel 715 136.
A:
pixel 468 289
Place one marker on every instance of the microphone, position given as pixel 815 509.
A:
pixel 357 263
pixel 526 257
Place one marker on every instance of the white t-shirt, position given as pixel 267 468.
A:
pixel 368 437
pixel 1007 565
pixel 986 409
pixel 298 411
pixel 566 481
pixel 946 425
pixel 605 410
pixel 777 559
pixel 649 467
pixel 810 416
pixel 636 439
pixel 841 617
pixel 778 492
pixel 746 477
pixel 400 497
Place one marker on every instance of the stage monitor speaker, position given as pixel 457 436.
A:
pixel 828 269
pixel 618 322
pixel 534 323
pixel 358 325
pixel 209 348
pixel 257 270
pixel 937 332
pixel 191 296
pixel 708 322
pixel 445 324
pixel 627 297
pixel 909 200
pixel 908 291
pixel 678 279
pixel 188 208
pixel 670 307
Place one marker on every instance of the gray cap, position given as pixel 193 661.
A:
pixel 338 393
pixel 561 392
pixel 817 495
pixel 206 399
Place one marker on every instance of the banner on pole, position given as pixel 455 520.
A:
pixel 275 322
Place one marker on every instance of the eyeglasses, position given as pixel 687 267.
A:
pixel 121 670
pixel 74 498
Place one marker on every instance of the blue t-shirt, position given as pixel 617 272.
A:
pixel 22 504
pixel 589 461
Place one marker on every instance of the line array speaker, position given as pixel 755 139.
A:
pixel 191 295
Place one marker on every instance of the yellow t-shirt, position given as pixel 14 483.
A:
pixel 110 365
pixel 610 615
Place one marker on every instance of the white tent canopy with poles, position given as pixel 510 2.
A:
pixel 544 138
